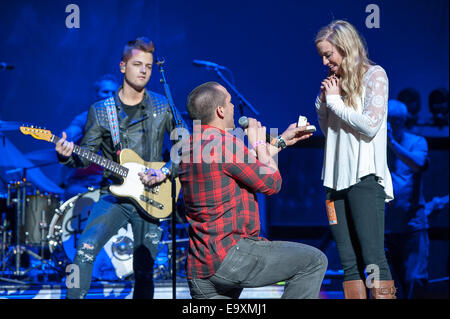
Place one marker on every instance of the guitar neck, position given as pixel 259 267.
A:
pixel 108 164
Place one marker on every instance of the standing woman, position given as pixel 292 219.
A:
pixel 352 113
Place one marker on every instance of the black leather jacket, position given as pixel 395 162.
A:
pixel 144 133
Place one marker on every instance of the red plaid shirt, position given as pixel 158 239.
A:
pixel 220 196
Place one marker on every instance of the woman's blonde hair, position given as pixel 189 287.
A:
pixel 355 62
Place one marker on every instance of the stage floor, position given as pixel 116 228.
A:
pixel 124 290
pixel 331 289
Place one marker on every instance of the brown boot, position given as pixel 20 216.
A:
pixel 385 290
pixel 354 289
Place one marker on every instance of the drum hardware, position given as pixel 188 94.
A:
pixel 5 241
pixel 16 249
pixel 164 260
pixel 21 245
pixel 43 226
pixel 169 242
pixel 3 232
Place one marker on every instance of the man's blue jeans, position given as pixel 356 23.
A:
pixel 108 215
pixel 251 263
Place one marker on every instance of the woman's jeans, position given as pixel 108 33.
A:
pixel 108 215
pixel 359 231
pixel 252 263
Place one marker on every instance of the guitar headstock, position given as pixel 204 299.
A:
pixel 37 133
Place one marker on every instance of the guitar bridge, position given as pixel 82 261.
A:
pixel 153 190
pixel 151 202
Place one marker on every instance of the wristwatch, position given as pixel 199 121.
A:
pixel 281 143
pixel 165 171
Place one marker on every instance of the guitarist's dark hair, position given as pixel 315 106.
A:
pixel 141 43
pixel 203 100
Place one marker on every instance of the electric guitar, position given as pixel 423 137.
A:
pixel 156 201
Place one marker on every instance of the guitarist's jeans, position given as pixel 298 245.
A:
pixel 108 215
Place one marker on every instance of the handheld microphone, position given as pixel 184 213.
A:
pixel 243 122
pixel 6 66
pixel 208 65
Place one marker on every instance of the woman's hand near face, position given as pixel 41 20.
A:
pixel 330 86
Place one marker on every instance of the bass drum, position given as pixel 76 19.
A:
pixel 115 260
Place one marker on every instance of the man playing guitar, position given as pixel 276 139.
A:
pixel 142 118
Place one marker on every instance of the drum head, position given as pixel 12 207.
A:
pixel 115 259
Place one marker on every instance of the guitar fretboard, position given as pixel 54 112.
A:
pixel 108 164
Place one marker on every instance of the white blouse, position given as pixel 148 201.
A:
pixel 355 143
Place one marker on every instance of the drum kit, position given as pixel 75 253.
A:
pixel 39 234
pixel 39 237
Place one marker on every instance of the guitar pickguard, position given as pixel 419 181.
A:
pixel 157 200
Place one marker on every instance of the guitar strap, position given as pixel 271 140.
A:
pixel 110 105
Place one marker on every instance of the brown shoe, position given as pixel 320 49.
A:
pixel 354 289
pixel 385 290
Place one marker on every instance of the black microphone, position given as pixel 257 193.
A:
pixel 243 122
pixel 6 66
pixel 208 65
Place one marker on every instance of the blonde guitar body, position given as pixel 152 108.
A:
pixel 156 201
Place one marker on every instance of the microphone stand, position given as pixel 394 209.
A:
pixel 242 99
pixel 178 124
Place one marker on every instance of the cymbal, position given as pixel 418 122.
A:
pixel 9 126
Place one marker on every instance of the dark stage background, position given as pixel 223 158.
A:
pixel 268 45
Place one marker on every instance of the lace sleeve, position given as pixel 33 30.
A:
pixel 374 108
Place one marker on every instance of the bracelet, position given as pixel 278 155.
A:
pixel 255 145
pixel 165 171
pixel 281 142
